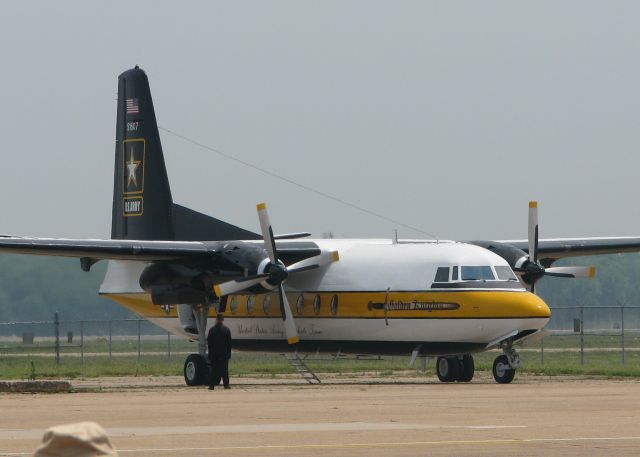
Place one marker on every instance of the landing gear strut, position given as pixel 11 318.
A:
pixel 458 368
pixel 505 365
pixel 196 367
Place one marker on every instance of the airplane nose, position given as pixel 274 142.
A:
pixel 536 306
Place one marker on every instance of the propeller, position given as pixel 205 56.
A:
pixel 273 273
pixel 532 270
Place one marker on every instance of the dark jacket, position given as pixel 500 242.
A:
pixel 219 342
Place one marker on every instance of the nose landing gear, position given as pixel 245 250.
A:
pixel 505 365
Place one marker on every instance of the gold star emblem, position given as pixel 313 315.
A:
pixel 132 166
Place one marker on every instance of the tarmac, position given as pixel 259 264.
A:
pixel 551 416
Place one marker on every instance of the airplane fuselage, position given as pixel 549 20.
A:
pixel 440 297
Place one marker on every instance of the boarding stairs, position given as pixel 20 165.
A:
pixel 298 365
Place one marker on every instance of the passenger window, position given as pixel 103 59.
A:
pixel 454 274
pixel 316 304
pixel 334 305
pixel 505 273
pixel 266 303
pixel 442 274
pixel 482 273
pixel 300 304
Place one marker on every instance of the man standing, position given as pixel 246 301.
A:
pixel 219 342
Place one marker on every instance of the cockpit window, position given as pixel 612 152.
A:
pixel 442 274
pixel 477 273
pixel 454 273
pixel 505 273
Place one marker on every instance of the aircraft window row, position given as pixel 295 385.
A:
pixel 475 273
pixel 266 304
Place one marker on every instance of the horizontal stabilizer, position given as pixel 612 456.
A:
pixel 190 225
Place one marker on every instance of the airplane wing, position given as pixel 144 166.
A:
pixel 104 249
pixel 551 250
pixel 145 250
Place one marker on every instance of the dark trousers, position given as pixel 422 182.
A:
pixel 219 370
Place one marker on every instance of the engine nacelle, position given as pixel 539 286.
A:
pixel 173 294
pixel 515 257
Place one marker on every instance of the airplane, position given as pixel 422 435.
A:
pixel 177 267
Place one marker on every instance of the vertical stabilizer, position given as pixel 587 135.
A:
pixel 142 204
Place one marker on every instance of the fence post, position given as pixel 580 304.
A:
pixel 81 342
pixel 622 331
pixel 56 327
pixel 168 345
pixel 109 339
pixel 139 339
pixel 581 335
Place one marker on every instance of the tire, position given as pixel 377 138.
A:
pixel 502 372
pixel 196 370
pixel 447 369
pixel 467 369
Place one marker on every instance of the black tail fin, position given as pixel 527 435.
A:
pixel 142 204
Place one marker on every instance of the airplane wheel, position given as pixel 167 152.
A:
pixel 196 370
pixel 447 369
pixel 467 369
pixel 502 371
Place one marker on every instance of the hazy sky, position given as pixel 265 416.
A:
pixel 448 116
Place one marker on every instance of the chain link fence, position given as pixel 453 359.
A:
pixel 89 338
pixel 612 332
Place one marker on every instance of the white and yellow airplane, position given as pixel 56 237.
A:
pixel 176 267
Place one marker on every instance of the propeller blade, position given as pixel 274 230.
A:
pixel 533 231
pixel 312 263
pixel 267 231
pixel 238 285
pixel 290 329
pixel 292 236
pixel 301 269
pixel 571 272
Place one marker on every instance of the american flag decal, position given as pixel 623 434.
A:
pixel 132 106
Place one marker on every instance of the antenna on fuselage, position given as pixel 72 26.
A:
pixel 394 237
pixel 386 302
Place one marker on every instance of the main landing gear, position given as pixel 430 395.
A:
pixel 505 365
pixel 461 368
pixel 196 367
pixel 457 368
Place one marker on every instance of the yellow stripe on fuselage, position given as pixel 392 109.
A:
pixel 405 305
